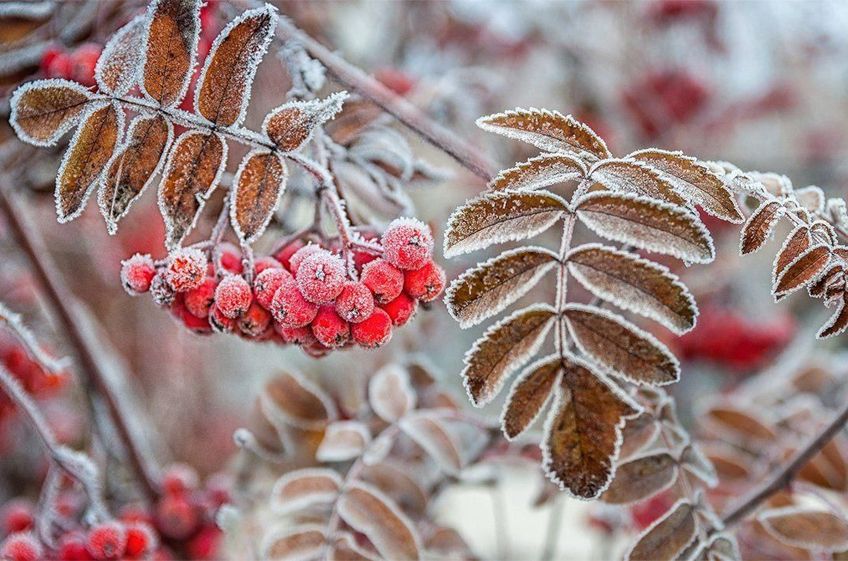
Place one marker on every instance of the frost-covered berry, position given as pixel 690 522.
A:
pixel 199 300
pixel 401 309
pixel 161 291
pixel 330 330
pixel 425 283
pixel 107 540
pixel 136 273
pixel 284 255
pixel 21 547
pixel 233 296
pixel 141 540
pixel 255 320
pixel 266 283
pixel 265 262
pixel 200 326
pixel 301 254
pixel 72 547
pixel 16 516
pixel 295 335
pixel 290 308
pixel 407 243
pixel 219 322
pixel 187 268
pixel 229 258
pixel 179 479
pixel 176 517
pixel 355 302
pixel 374 331
pixel 383 279
pixel 321 277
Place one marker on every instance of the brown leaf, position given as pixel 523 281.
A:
pixel 86 158
pixel 260 180
pixel 825 230
pixel 44 110
pixel 796 243
pixel 538 172
pixel 583 431
pixel 428 431
pixel 390 394
pixel 729 465
pixel 291 125
pixel 492 286
pixel 759 226
pixel 528 396
pixel 396 481
pixel 837 323
pixel 501 217
pixel 223 90
pixel 638 433
pixel 694 181
pixel 634 284
pixel 668 536
pixel 549 130
pixel 826 469
pixel 194 168
pixel 305 488
pixel 695 462
pixel 343 441
pixel 132 170
pixel 346 548
pixel 807 528
pixel 746 424
pixel 640 478
pixel 502 350
pixel 305 541
pixel 720 546
pixel 296 401
pixel 648 224
pixel 833 277
pixel 117 68
pixel 621 347
pixel 626 176
pixel 170 49
pixel 811 198
pixel 803 270
pixel 370 512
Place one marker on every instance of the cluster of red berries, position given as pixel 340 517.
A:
pixel 35 380
pixel 666 98
pixel 181 526
pixel 303 295
pixel 77 65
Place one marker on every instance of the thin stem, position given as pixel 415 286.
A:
pixel 13 322
pixel 562 283
pixel 553 532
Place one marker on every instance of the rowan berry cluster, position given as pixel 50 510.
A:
pixel 77 65
pixel 305 294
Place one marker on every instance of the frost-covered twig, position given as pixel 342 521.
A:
pixel 13 322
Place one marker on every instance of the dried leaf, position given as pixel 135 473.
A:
pixel 132 170
pixel 583 431
pixel 621 347
pixel 796 243
pixel 259 181
pixel 529 395
pixel 301 542
pixel 170 49
pixel 84 162
pixel 291 125
pixel 695 462
pixel 648 224
pixel 223 90
pixel 549 130
pixel 638 433
pixel 431 434
pixel 803 270
pixel 298 402
pixel 503 349
pixel 396 482
pixel 694 181
pixel 640 478
pixel 501 217
pixel 44 110
pixel 634 284
pixel 538 172
pixel 370 512
pixel 343 440
pixel 390 394
pixel 807 528
pixel 811 198
pixel 837 323
pixel 194 168
pixel 746 424
pixel 345 548
pixel 627 176
pixel 832 277
pixel 759 226
pixel 492 286
pixel 117 68
pixel 668 536
pixel 305 488
pixel 720 546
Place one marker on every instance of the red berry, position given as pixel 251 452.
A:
pixel 321 277
pixel 290 308
pixel 199 300
pixel 265 262
pixel 255 320
pixel 21 547
pixel 233 296
pixel 329 328
pixel 72 547
pixel 176 518
pixel 219 322
pixel 200 326
pixel 355 303
pixel 179 479
pixel 107 540
pixel 425 283
pixel 374 331
pixel 297 258
pixel 285 254
pixel 230 259
pixel 161 290
pixel 141 540
pixel 266 283
pixel 295 335
pixel 206 544
pixel 361 258
pixel 16 516
pixel 48 56
pixel 135 513
pixel 382 279
pixel 136 273
pixel 187 268
pixel 407 243
pixel 401 309
pixel 62 66
pixel 85 60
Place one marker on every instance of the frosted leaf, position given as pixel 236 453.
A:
pixel 634 284
pixel 118 67
pixel 372 513
pixel 747 424
pixel 499 217
pixel 640 478
pixel 628 176
pixel 291 125
pixel 19 19
pixel 837 323
pixel 307 74
pixel 44 110
pixel 429 432
pixel 223 89
pixel 825 231
pixel 385 147
pixel 836 210
pixel 298 543
pixel 298 402
pixel 811 198
pixel 695 462
pixel 529 395
pixel 639 432
pixel 379 449
pixel 491 287
pixel 667 536
pixel 549 130
pixel 806 528
pixel 620 347
pixel 795 243
pixel 721 546
pixel 538 172
pixel 346 548
pixel 390 394
pixel 397 482
pixel 305 488
pixel 648 224
pixel 343 440
pixel 134 166
pixel 259 183
pixel 803 270
pixel 170 49
pixel 760 226
pixel 85 160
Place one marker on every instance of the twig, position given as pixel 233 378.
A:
pixel 553 532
